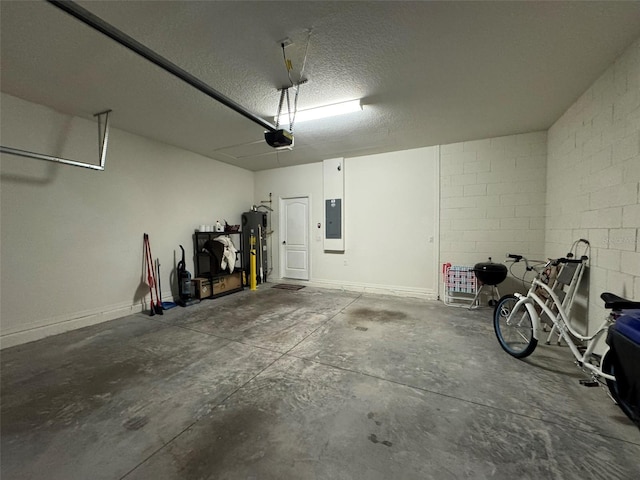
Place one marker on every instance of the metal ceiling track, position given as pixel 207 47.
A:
pixel 125 40
pixel 103 139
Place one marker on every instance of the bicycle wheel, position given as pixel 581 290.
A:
pixel 514 332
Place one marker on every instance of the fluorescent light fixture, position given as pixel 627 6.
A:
pixel 321 112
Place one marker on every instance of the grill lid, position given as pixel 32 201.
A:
pixel 490 273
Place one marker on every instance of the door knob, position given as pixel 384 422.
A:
pixel 284 242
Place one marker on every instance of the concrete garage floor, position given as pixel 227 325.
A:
pixel 309 384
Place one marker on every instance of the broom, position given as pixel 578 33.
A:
pixel 156 307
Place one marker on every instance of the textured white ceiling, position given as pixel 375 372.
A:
pixel 428 72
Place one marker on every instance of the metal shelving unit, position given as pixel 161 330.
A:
pixel 207 262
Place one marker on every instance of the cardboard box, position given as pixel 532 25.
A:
pixel 201 287
pixel 227 283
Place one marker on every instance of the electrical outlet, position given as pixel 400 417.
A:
pixel 346 263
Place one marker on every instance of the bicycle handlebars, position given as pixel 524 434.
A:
pixel 517 258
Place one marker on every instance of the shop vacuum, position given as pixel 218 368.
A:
pixel 184 284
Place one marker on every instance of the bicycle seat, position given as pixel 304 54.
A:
pixel 614 302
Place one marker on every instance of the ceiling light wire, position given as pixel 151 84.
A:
pixel 280 108
pixel 287 63
pixel 295 109
pixel 285 91
pixel 289 66
pixel 300 81
pixel 289 110
pixel 304 60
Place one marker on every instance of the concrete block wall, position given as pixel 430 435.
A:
pixel 593 181
pixel 492 199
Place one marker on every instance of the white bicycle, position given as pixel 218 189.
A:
pixel 516 321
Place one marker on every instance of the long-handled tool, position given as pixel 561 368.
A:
pixel 158 287
pixel 159 309
pixel 152 310
pixel 156 307
pixel 165 305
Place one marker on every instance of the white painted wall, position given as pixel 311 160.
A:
pixel 593 181
pixel 391 208
pixel 72 251
pixel 493 200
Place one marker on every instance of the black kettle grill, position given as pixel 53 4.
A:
pixel 489 274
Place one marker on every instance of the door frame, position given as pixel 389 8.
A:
pixel 281 222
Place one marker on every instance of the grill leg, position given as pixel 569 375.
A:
pixel 476 299
pixel 495 295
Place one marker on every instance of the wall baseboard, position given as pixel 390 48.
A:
pixel 396 290
pixel 62 324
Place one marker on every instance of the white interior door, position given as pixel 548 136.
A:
pixel 294 237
